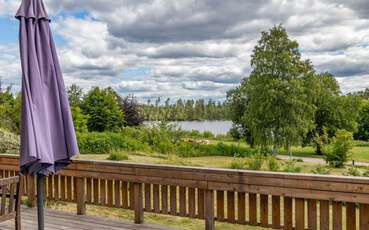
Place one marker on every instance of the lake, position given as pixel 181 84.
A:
pixel 216 127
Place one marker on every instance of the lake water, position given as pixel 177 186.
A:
pixel 216 127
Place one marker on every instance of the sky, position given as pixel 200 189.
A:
pixel 189 48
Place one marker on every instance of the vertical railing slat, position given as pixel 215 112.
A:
pixel 324 214
pixel 230 207
pixel 252 209
pixel 312 214
pixel 241 207
pixel 200 202
pixel 276 212
pixel 350 216
pixel 102 192
pixel 220 205
pixel 156 198
pixel 287 205
pixel 364 216
pixel 96 191
pixel 164 199
pixel 182 201
pixel 124 194
pixel 173 200
pixel 117 194
pixel 147 188
pixel 337 215
pixel 110 190
pixel 300 214
pixel 89 190
pixel 264 210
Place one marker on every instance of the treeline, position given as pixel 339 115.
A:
pixel 103 109
pixel 184 110
pixel 285 102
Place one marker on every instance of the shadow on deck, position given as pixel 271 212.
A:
pixel 57 220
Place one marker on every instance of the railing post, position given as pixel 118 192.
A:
pixel 80 195
pixel 138 203
pixel 31 191
pixel 209 210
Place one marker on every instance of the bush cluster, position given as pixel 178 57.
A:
pixel 161 138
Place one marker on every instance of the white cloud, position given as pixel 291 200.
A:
pixel 8 7
pixel 196 48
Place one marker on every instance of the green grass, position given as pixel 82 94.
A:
pixel 150 218
pixel 206 161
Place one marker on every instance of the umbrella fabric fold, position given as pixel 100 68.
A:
pixel 48 140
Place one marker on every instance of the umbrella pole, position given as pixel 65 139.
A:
pixel 40 201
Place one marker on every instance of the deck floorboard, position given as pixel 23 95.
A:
pixel 58 220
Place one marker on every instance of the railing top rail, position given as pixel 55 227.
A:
pixel 98 165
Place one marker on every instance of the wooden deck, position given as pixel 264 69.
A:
pixel 57 220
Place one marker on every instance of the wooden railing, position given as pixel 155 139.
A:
pixel 274 200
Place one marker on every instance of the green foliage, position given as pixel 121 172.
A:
pixel 9 142
pixel 353 171
pixel 237 163
pixel 322 170
pixel 273 164
pixel 184 110
pixel 362 132
pixel 276 110
pixel 10 107
pixel 340 151
pixel 79 119
pixel 291 167
pixel 131 109
pixel 322 141
pixel 237 101
pixel 366 174
pixel 254 162
pixel 207 134
pixel 118 156
pixel 94 143
pixel 102 109
pixel 75 95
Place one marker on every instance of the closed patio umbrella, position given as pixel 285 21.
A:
pixel 48 139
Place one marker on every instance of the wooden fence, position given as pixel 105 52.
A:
pixel 274 200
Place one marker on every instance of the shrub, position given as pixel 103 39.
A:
pixel 118 156
pixel 321 142
pixel 321 170
pixel 366 174
pixel 235 133
pixel 9 142
pixel 290 166
pixel 340 151
pixel 207 134
pixel 254 162
pixel 273 164
pixel 194 133
pixel 237 163
pixel 95 143
pixel 353 171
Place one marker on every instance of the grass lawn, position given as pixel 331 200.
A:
pixel 208 161
pixel 150 218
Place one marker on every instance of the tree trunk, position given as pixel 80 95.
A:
pixel 318 149
pixel 275 150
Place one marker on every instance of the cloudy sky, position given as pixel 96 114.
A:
pixel 190 48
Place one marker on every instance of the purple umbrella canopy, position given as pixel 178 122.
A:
pixel 48 140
